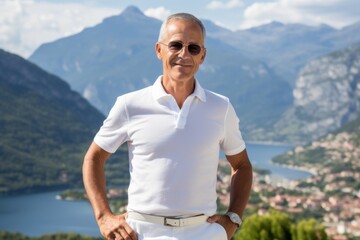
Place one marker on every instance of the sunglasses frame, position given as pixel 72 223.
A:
pixel 171 44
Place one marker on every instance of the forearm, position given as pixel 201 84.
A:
pixel 240 189
pixel 95 182
pixel 241 181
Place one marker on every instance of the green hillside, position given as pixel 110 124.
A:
pixel 333 158
pixel 331 151
pixel 45 128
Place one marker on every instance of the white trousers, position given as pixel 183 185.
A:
pixel 152 231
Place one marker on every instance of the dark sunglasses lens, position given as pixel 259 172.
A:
pixel 175 46
pixel 194 49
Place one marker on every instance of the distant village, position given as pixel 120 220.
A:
pixel 337 206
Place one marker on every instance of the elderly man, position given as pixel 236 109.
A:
pixel 174 130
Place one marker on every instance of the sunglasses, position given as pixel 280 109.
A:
pixel 175 46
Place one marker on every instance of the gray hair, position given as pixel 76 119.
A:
pixel 181 16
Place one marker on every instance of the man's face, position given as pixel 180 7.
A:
pixel 181 65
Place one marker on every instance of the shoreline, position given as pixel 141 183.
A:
pixel 312 172
pixel 285 167
pixel 29 192
pixel 272 143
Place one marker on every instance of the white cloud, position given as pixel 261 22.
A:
pixel 224 5
pixel 25 24
pixel 337 13
pixel 159 13
pixel 312 3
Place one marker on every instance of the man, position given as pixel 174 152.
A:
pixel 174 131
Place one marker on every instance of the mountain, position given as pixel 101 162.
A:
pixel 326 96
pixel 118 56
pixel 105 58
pixel 343 37
pixel 288 47
pixel 45 128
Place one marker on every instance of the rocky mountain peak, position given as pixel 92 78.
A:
pixel 129 15
pixel 327 93
pixel 132 11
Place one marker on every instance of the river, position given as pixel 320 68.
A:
pixel 39 214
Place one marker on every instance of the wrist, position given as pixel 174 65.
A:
pixel 234 218
pixel 103 215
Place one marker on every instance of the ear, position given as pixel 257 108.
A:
pixel 158 50
pixel 203 55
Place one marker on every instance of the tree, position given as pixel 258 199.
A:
pixel 279 226
pixel 308 229
pixel 275 226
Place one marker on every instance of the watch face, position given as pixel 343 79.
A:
pixel 234 218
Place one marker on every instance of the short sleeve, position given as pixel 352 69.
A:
pixel 113 132
pixel 232 143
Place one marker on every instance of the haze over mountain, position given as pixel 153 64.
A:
pixel 286 48
pixel 118 56
pixel 105 58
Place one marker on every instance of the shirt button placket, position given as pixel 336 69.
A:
pixel 181 120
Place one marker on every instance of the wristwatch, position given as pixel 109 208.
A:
pixel 235 218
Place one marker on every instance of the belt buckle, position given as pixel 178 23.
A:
pixel 173 222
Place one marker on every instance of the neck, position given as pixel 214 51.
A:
pixel 179 90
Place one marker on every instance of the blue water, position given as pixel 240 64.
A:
pixel 260 156
pixel 38 214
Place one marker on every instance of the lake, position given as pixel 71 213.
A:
pixel 260 156
pixel 38 214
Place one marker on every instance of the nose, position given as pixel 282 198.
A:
pixel 184 51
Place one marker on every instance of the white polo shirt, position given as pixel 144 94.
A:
pixel 173 152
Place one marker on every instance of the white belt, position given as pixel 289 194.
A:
pixel 168 221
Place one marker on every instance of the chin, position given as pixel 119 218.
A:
pixel 182 76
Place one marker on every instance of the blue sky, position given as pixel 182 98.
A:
pixel 25 24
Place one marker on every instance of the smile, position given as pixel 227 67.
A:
pixel 182 65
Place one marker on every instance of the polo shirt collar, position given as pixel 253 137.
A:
pixel 159 91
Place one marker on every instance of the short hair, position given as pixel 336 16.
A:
pixel 181 16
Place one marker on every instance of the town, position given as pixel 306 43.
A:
pixel 331 196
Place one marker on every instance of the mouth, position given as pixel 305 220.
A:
pixel 182 64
